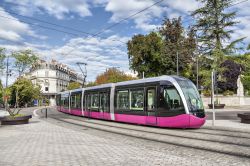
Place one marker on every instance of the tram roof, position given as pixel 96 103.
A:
pixel 76 90
pixel 146 80
pixel 171 78
pixel 100 86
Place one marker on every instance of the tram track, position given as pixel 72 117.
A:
pixel 206 131
pixel 225 144
pixel 176 133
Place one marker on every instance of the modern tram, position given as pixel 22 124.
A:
pixel 165 101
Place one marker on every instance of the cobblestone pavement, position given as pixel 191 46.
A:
pixel 51 142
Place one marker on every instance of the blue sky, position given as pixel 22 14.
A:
pixel 99 52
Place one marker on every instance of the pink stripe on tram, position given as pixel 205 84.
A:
pixel 180 121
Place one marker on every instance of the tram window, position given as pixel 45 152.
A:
pixel 78 100
pixel 73 102
pixel 65 102
pixel 172 99
pixel 123 99
pixel 88 101
pixel 58 99
pixel 95 101
pixel 151 99
pixel 136 100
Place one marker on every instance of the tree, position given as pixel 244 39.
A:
pixel 213 22
pixel 144 53
pixel 27 92
pixel 231 74
pixel 112 75
pixel 213 26
pixel 156 53
pixel 73 85
pixel 89 84
pixel 24 60
pixel 176 44
pixel 244 61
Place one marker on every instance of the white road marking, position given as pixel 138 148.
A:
pixel 34 112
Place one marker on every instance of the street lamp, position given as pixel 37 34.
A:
pixel 8 73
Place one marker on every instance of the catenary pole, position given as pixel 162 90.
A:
pixel 212 88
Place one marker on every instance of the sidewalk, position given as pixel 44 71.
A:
pixel 230 109
pixel 228 125
pixel 45 142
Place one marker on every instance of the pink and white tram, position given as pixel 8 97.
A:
pixel 165 101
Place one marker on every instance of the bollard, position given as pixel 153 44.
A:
pixel 46 113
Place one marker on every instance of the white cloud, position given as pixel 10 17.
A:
pixel 12 29
pixel 145 19
pixel 98 53
pixel 243 16
pixel 56 8
pixel 121 10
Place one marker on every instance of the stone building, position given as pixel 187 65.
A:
pixel 53 77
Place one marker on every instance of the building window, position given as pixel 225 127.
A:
pixel 46 89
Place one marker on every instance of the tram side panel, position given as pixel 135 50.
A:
pixel 160 103
pixel 97 103
pixel 151 104
pixel 131 105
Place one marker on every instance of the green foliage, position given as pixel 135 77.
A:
pixel 246 84
pixel 213 22
pixel 89 84
pixel 14 115
pixel 145 54
pixel 156 53
pixel 244 61
pixel 24 92
pixel 175 42
pixel 228 93
pixel 112 75
pixel 206 93
pixel 248 47
pixel 73 85
pixel 24 60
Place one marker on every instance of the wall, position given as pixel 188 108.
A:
pixel 228 100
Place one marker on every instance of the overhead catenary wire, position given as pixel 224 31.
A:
pixel 46 22
pixel 54 29
pixel 60 26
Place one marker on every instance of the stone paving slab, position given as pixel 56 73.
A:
pixel 49 142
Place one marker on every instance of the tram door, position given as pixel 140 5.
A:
pixel 151 105
pixel 103 104
pixel 87 105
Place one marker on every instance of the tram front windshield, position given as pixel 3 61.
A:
pixel 192 95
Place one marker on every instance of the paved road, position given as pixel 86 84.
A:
pixel 53 142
